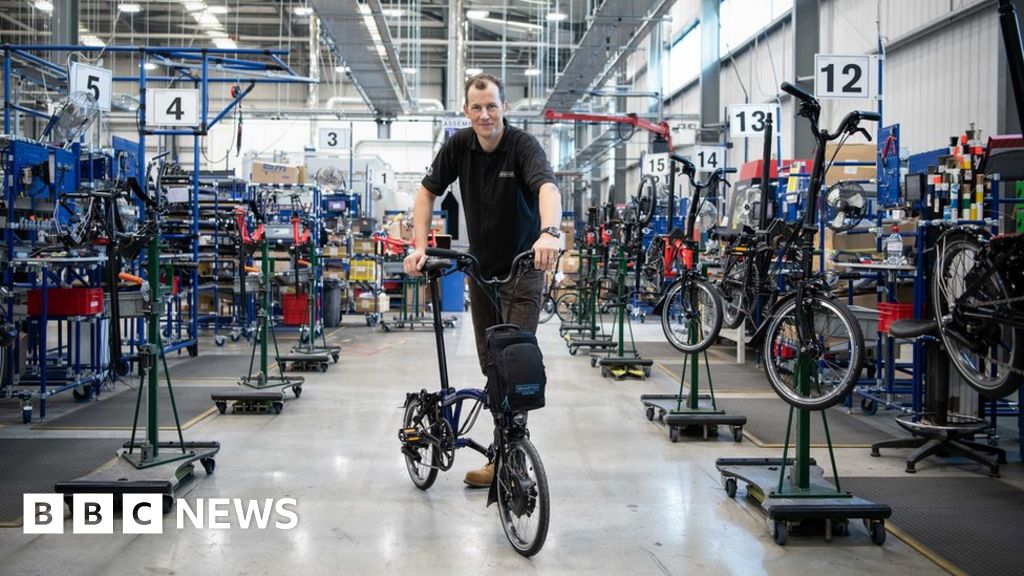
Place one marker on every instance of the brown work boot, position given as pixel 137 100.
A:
pixel 480 478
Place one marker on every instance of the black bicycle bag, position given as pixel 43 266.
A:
pixel 515 370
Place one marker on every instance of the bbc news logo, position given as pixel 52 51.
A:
pixel 143 513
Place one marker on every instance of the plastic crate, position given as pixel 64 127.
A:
pixel 362 270
pixel 66 301
pixel 889 312
pixel 295 307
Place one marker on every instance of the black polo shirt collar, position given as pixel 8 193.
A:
pixel 503 145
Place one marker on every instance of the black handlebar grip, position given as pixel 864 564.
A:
pixel 444 253
pixel 870 116
pixel 731 170
pixel 797 92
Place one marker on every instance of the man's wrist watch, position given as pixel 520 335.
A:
pixel 552 230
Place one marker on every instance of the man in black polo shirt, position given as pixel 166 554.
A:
pixel 511 204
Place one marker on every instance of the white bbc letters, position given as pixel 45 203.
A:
pixel 92 514
pixel 142 514
pixel 44 513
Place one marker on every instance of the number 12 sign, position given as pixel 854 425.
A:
pixel 838 76
pixel 749 120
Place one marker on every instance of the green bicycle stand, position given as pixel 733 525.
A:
pixel 150 466
pixel 625 362
pixel 267 392
pixel 588 327
pixel 308 354
pixel 701 412
pixel 793 493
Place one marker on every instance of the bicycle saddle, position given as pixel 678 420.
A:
pixel 722 233
pixel 910 328
pixel 435 265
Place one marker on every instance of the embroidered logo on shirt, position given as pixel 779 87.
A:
pixel 506 174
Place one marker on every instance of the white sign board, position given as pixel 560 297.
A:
pixel 335 139
pixel 749 120
pixel 656 164
pixel 93 80
pixel 172 107
pixel 709 158
pixel 839 76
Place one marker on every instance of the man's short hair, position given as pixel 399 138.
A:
pixel 480 83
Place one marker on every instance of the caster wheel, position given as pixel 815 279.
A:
pixel 730 487
pixel 81 395
pixel 222 407
pixel 643 319
pixel 876 529
pixel 650 413
pixel 209 464
pixel 573 351
pixel 593 362
pixel 780 532
pixel 235 336
pixel 386 327
pixel 219 340
pixel 605 372
pixel 673 434
pixel 278 407
pixel 647 371
pixel 26 415
pixel 369 322
pixel 875 452
pixel 284 366
pixel 737 434
pixel 297 390
pixel 335 357
pixel 193 351
pixel 322 367
pixel 841 528
pixel 868 407
pixel 122 368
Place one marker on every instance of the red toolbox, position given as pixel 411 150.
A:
pixel 295 309
pixel 66 301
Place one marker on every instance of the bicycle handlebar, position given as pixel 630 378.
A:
pixel 469 264
pixel 798 93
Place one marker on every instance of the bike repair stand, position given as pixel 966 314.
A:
pixel 307 354
pixel 622 364
pixel 701 412
pixel 268 391
pixel 802 499
pixel 590 330
pixel 151 466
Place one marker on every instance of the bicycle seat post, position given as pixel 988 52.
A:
pixel 435 304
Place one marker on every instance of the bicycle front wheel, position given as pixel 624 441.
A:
pixel 567 307
pixel 733 293
pixel 691 317
pixel 547 309
pixel 985 351
pixel 421 461
pixel 523 504
pixel 833 356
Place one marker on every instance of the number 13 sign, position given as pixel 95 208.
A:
pixel 750 120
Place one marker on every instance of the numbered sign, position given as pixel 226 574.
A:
pixel 656 164
pixel 708 158
pixel 838 76
pixel 94 80
pixel 335 139
pixel 748 120
pixel 172 107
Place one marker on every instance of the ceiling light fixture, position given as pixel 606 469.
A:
pixel 476 14
pixel 409 71
pixel 92 40
pixel 149 66
pixel 532 72
pixel 474 71
pixel 393 12
pixel 44 5
pixel 225 43
pixel 341 68
pixel 195 6
pixel 217 9
pixel 302 10
pixel 556 17
pixel 510 23
pixel 216 34
pixel 130 8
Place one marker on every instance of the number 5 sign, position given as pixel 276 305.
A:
pixel 838 76
pixel 92 80
pixel 172 107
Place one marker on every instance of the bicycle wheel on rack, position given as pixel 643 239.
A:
pixel 836 352
pixel 646 199
pixel 691 316
pixel 422 462
pixel 523 503
pixel 547 309
pixel 567 307
pixel 986 352
pixel 734 295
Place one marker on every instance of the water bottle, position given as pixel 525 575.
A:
pixel 894 247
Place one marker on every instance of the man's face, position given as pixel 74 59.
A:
pixel 485 111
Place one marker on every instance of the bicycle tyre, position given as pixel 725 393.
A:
pixel 678 311
pixel 422 477
pixel 646 199
pixel 547 309
pixel 781 345
pixel 520 462
pixel 567 307
pixel 732 292
pixel 947 285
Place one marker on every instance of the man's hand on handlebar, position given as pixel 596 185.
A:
pixel 545 252
pixel 414 262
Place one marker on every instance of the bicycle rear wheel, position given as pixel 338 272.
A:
pixel 646 199
pixel 985 351
pixel 547 309
pixel 421 462
pixel 732 291
pixel 567 307
pixel 835 353
pixel 691 317
pixel 523 503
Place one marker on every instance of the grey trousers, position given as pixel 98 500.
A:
pixel 520 305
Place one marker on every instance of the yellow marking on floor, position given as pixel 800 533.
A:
pixel 924 550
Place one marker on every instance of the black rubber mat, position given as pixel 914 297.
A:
pixel 662 350
pixel 34 465
pixel 113 412
pixel 767 417
pixel 972 522
pixel 217 366
pixel 725 377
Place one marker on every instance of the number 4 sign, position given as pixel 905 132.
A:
pixel 172 107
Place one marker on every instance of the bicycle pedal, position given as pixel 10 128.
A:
pixel 409 435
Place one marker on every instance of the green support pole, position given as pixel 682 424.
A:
pixel 265 327
pixel 620 300
pixel 801 475
pixel 154 343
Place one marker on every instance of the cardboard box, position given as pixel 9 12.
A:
pixel 269 173
pixel 365 303
pixel 570 264
pixel 362 270
pixel 851 153
pixel 363 246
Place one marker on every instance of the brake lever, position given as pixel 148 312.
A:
pixel 864 132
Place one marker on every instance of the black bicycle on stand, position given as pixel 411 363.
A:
pixel 436 424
